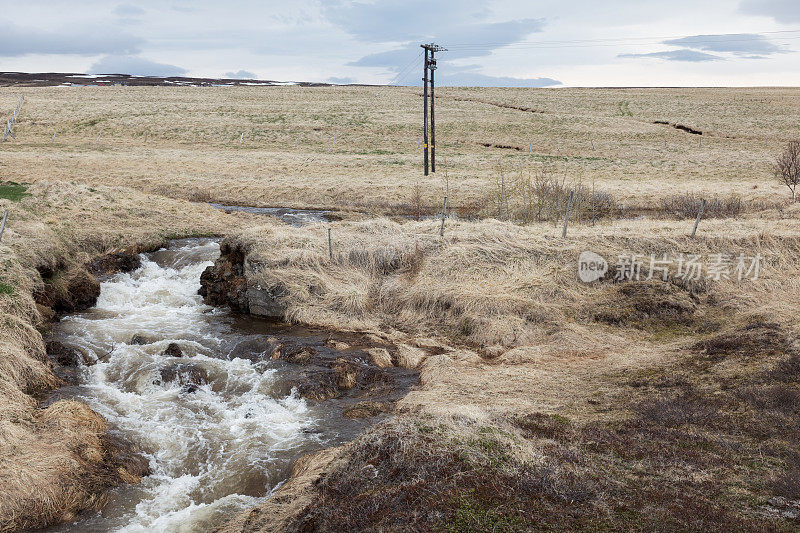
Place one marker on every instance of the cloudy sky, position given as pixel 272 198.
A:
pixel 490 42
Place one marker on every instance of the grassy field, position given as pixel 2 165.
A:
pixel 605 138
pixel 595 406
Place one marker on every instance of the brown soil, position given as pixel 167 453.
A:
pixel 502 146
pixel 681 127
pixel 497 104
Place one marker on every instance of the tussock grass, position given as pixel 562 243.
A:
pixel 702 444
pixel 489 283
pixel 675 462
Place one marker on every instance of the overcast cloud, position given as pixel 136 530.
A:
pixel 537 43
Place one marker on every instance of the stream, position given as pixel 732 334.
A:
pixel 216 448
pixel 294 217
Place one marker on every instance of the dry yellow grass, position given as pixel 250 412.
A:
pixel 545 402
pixel 602 137
pixel 514 330
pixel 500 293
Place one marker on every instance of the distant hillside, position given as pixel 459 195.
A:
pixel 49 79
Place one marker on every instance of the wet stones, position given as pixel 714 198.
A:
pixel 66 359
pixel 64 355
pixel 225 283
pixel 347 373
pixel 84 290
pixel 345 376
pixel 66 291
pixel 368 409
pixel 173 350
pixel 189 375
pixel 112 263
pixel 266 302
pixel 140 339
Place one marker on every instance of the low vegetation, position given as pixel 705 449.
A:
pixel 484 284
pixel 12 191
pixel 787 167
pixel 544 403
pixel 687 206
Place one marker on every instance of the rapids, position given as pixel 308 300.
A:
pixel 214 450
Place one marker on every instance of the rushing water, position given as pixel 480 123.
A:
pixel 295 217
pixel 213 451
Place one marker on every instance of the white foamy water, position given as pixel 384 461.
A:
pixel 214 450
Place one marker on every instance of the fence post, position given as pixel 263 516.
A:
pixel 54 138
pixel 444 215
pixel 699 216
pixel 566 216
pixel 3 224
pixel 330 245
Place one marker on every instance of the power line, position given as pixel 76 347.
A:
pixel 599 45
pixel 406 70
pixel 719 38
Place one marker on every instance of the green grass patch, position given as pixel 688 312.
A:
pixel 6 289
pixel 13 191
pixel 472 514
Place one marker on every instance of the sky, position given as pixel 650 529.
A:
pixel 537 43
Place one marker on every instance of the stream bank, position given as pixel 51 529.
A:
pixel 219 404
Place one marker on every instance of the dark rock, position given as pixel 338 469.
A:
pixel 266 302
pixel 347 373
pixel 140 340
pixel 189 375
pixel 173 350
pixel 115 262
pixel 84 290
pixel 67 292
pixel 325 377
pixel 318 385
pixel 295 355
pixel 225 283
pixel 64 355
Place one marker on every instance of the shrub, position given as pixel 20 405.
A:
pixel 787 167
pixel 540 197
pixel 682 206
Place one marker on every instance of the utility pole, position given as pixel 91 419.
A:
pixel 429 66
pixel 425 105
pixel 432 68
